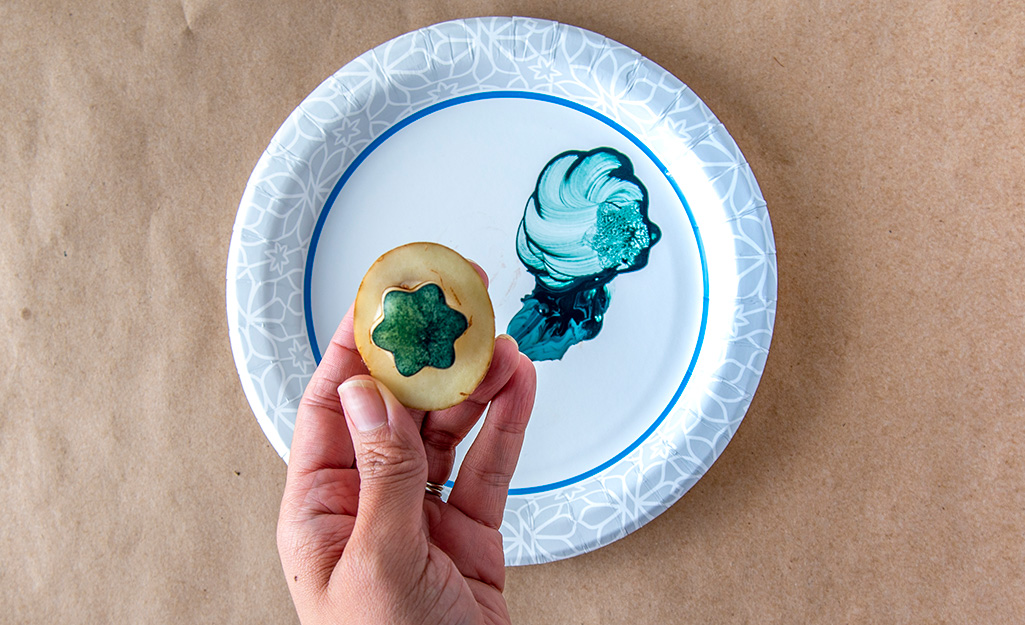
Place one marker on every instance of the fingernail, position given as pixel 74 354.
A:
pixel 480 271
pixel 363 404
pixel 509 338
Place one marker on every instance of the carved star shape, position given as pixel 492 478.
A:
pixel 419 329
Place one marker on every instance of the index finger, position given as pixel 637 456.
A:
pixel 321 438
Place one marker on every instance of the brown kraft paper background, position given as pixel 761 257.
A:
pixel 876 478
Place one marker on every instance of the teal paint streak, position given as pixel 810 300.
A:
pixel 419 329
pixel 585 223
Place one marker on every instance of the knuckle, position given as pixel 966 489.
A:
pixel 490 478
pixel 320 392
pixel 440 439
pixel 385 463
pixel 508 427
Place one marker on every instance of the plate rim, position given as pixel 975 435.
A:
pixel 521 530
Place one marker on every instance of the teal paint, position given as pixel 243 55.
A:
pixel 419 329
pixel 585 223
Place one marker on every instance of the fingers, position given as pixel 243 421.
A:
pixel 444 429
pixel 482 486
pixel 480 271
pixel 475 550
pixel 321 438
pixel 391 463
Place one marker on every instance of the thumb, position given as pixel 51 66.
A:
pixel 390 458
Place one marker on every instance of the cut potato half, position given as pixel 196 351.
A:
pixel 424 325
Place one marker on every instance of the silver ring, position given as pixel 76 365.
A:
pixel 434 488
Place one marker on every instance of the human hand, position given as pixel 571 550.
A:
pixel 360 539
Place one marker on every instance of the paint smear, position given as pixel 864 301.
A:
pixel 586 222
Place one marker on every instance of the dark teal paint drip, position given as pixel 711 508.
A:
pixel 585 223
pixel 419 329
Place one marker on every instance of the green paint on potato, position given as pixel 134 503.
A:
pixel 419 329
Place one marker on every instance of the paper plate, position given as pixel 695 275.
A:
pixel 628 246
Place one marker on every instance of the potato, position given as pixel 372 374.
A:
pixel 424 325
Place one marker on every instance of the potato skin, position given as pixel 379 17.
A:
pixel 409 267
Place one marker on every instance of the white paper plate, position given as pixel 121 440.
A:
pixel 442 134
